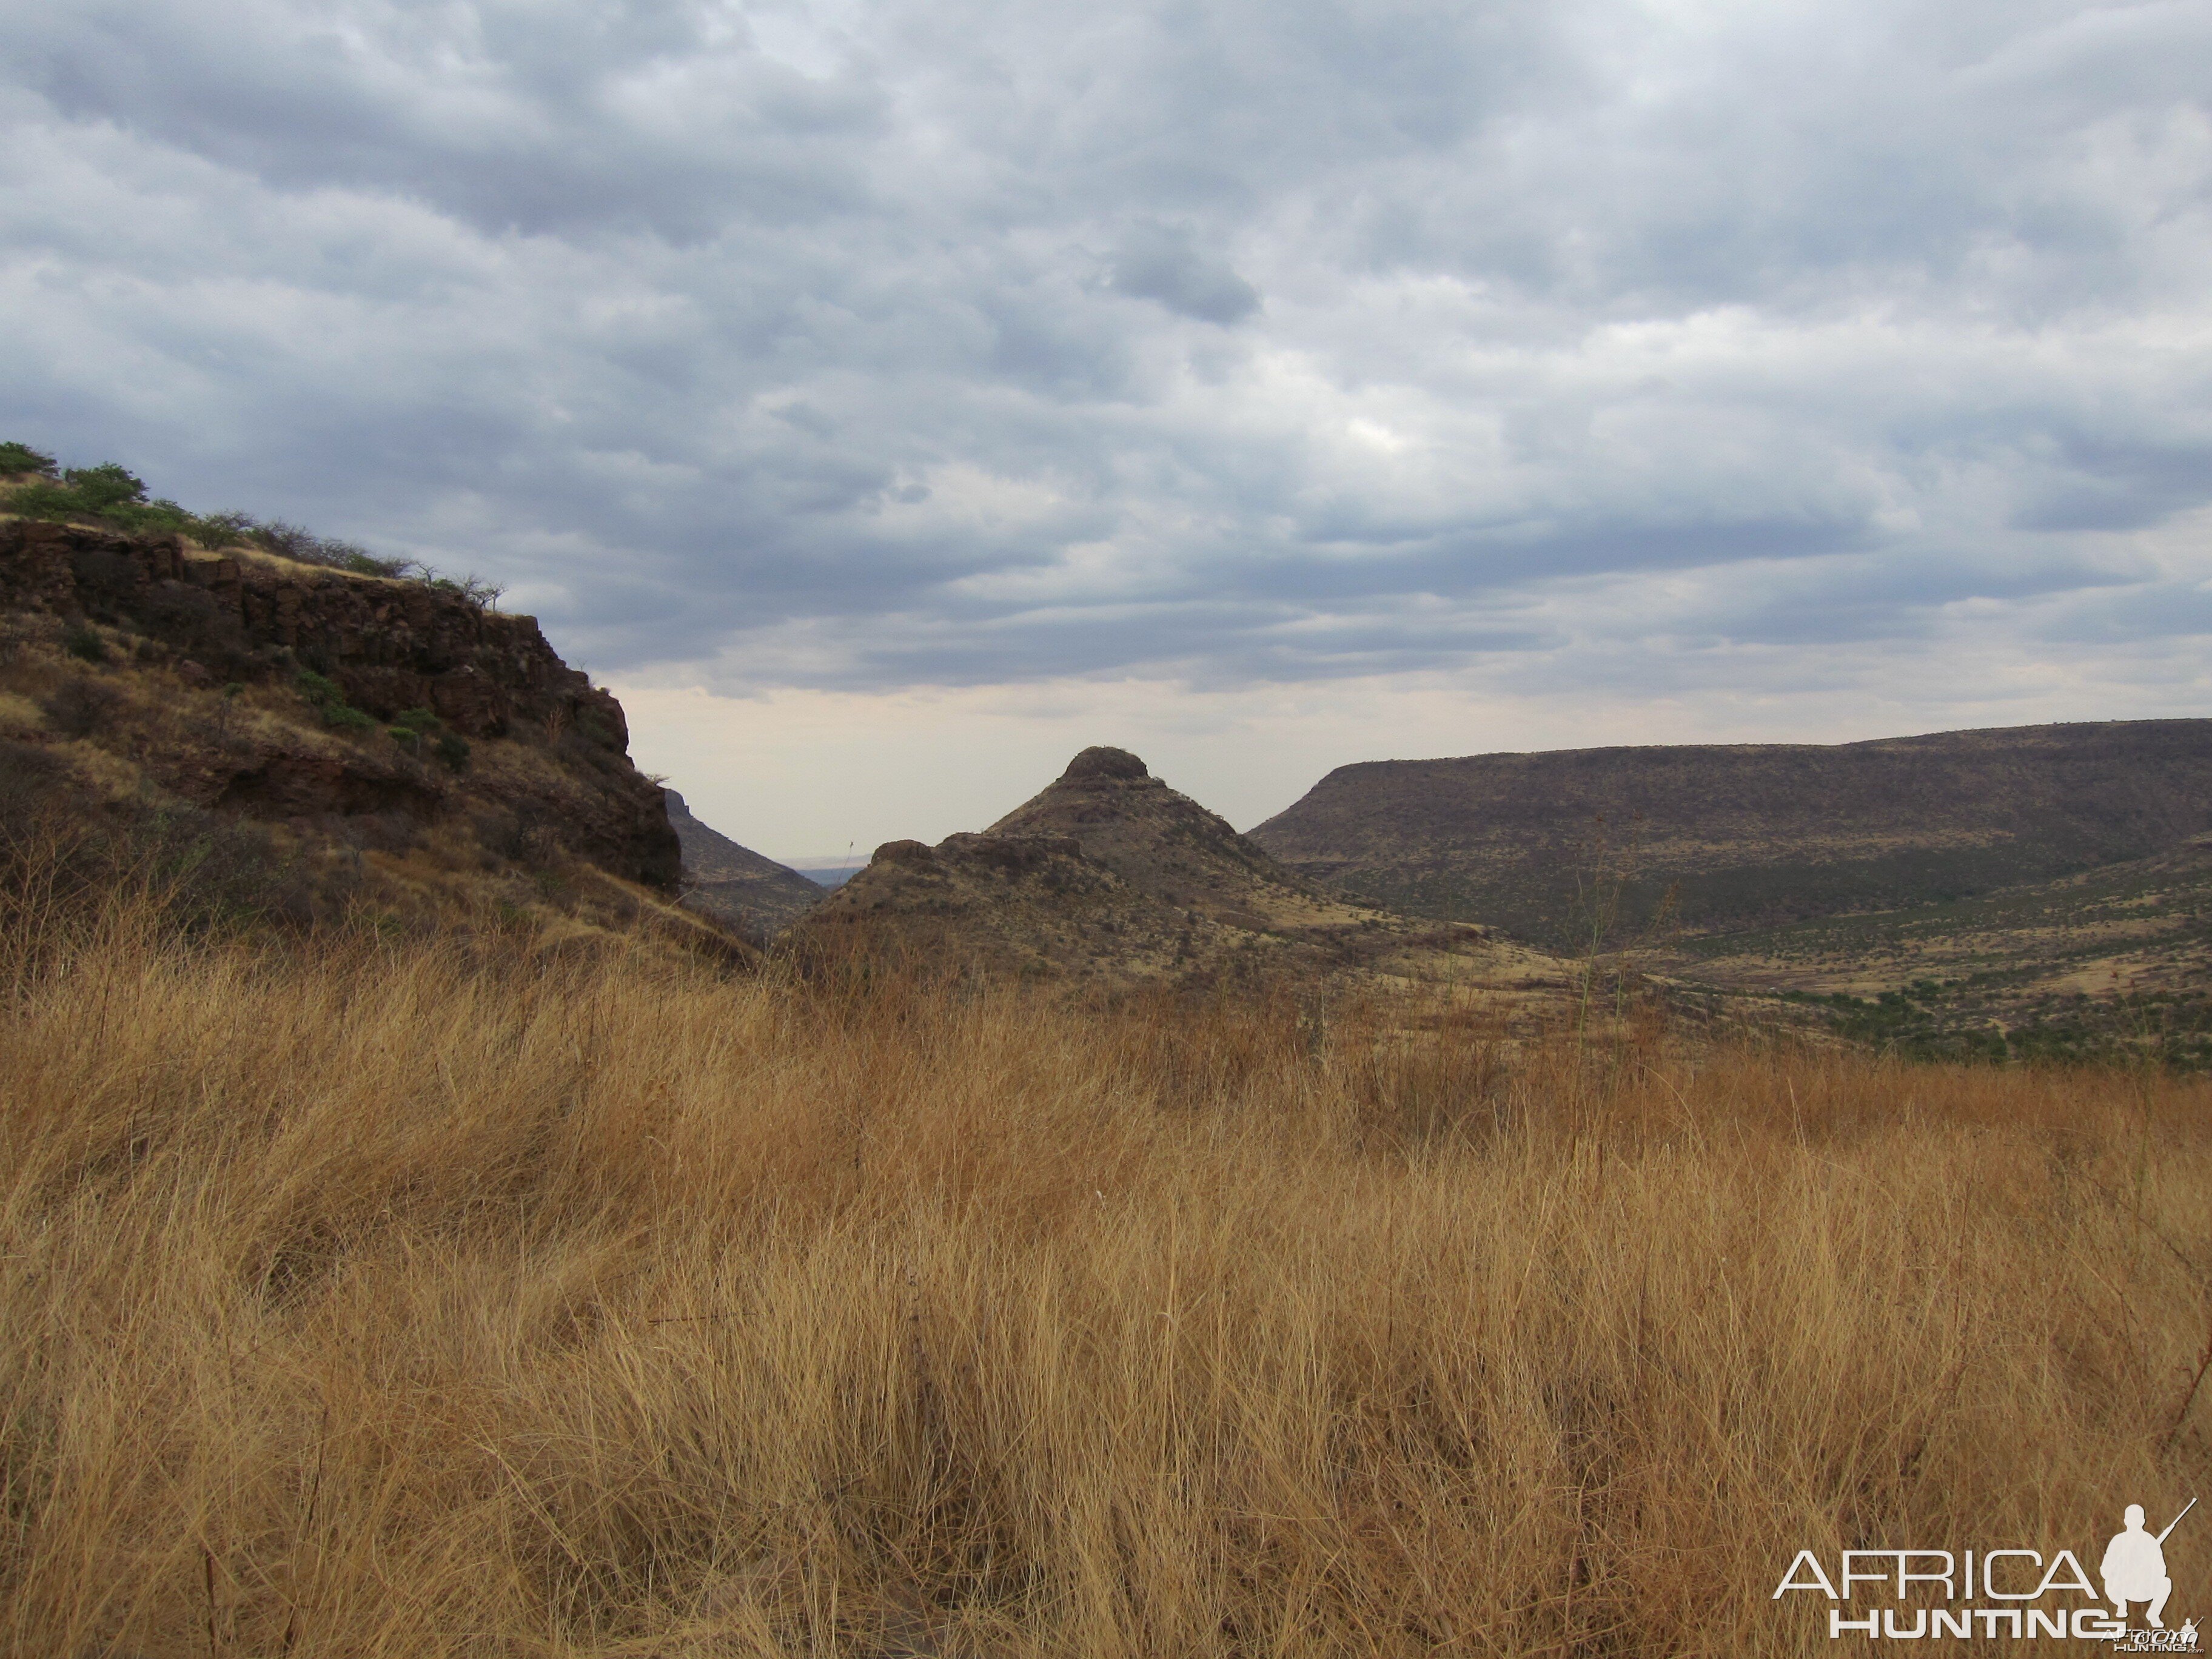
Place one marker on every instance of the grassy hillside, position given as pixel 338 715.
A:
pixel 424 1297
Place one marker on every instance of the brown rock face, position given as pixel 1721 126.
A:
pixel 557 775
pixel 390 645
pixel 291 785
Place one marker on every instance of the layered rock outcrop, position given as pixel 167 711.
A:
pixel 390 645
pixel 357 710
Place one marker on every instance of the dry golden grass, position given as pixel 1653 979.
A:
pixel 397 1300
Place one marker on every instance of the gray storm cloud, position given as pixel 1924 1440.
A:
pixel 870 345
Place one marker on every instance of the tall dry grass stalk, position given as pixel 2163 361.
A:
pixel 417 1300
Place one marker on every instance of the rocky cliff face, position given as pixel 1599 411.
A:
pixel 390 645
pixel 356 717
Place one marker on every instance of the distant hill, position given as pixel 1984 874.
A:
pixel 1110 874
pixel 1746 836
pixel 755 895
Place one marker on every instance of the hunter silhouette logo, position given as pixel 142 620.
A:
pixel 2134 1568
pixel 2017 1593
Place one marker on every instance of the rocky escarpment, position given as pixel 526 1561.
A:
pixel 391 644
pixel 284 740
pixel 386 649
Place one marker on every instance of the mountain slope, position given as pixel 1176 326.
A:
pixel 1750 835
pixel 735 884
pixel 1110 874
pixel 312 744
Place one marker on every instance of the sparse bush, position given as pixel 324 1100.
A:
pixel 453 750
pixel 474 589
pixel 81 706
pixel 222 726
pixel 330 701
pixel 303 546
pixel 227 529
pixel 83 643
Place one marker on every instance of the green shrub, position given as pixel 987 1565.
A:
pixel 82 643
pixel 111 492
pixel 16 457
pixel 331 704
pixel 108 485
pixel 47 499
pixel 412 728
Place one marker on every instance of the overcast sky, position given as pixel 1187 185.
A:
pixel 888 399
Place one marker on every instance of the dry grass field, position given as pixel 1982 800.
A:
pixel 445 1298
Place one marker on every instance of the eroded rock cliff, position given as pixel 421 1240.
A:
pixel 393 734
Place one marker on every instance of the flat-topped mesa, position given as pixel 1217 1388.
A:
pixel 1748 836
